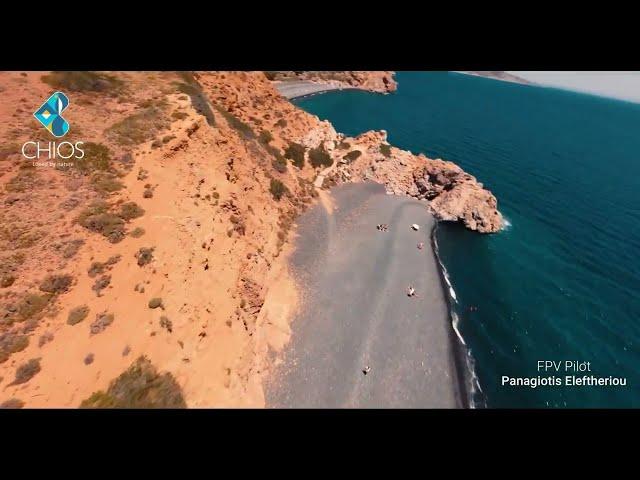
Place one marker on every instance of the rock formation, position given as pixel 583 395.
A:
pixel 457 196
pixel 450 192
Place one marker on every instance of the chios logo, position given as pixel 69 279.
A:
pixel 50 114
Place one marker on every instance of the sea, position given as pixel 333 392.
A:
pixel 556 293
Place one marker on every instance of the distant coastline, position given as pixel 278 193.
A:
pixel 291 89
pixel 504 76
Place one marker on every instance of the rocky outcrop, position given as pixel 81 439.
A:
pixel 323 135
pixel 454 195
pixel 380 81
pixel 451 193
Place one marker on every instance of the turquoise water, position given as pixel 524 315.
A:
pixel 562 282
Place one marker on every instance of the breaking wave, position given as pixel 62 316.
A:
pixel 469 385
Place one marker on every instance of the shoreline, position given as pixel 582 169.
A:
pixel 468 383
pixel 294 89
pixel 341 330
pixel 462 364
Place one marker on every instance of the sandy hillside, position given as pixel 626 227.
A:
pixel 205 235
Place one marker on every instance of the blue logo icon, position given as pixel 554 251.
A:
pixel 50 114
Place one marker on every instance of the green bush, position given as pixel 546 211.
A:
pixel 279 162
pixel 318 157
pixel 277 188
pixel 130 210
pixel 295 152
pixel 77 314
pixel 140 127
pixel 12 342
pixel 27 371
pixel 96 157
pixel 31 306
pixel 56 283
pixel 97 219
pixel 385 149
pixel 352 155
pixel 265 137
pixel 344 146
pixel 105 182
pixel 281 123
pixel 155 302
pixel 109 225
pixel 140 386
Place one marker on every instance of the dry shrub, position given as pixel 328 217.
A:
pixel 277 189
pixel 77 314
pixel 140 386
pixel 142 126
pixel 102 321
pixel 56 283
pixel 27 371
pixel 83 82
pixel 318 157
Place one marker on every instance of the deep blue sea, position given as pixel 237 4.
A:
pixel 562 282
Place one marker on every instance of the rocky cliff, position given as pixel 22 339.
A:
pixel 450 192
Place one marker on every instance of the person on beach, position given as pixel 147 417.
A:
pixel 420 245
pixel 411 292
